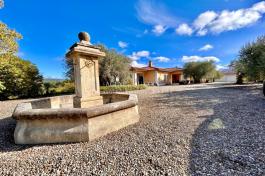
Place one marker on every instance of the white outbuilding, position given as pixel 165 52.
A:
pixel 229 75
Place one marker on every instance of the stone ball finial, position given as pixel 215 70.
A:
pixel 84 36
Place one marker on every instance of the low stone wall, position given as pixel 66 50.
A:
pixel 54 120
pixel 53 102
pixel 67 101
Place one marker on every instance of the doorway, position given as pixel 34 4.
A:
pixel 140 79
pixel 175 78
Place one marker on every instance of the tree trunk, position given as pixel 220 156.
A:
pixel 196 80
pixel 264 88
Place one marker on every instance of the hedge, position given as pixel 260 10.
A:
pixel 122 88
pixel 68 88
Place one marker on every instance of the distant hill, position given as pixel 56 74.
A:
pixel 229 70
pixel 53 80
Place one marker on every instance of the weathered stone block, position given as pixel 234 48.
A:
pixel 54 120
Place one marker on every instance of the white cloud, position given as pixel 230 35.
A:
pixel 202 32
pixel 206 47
pixel 136 64
pixel 154 13
pixel 199 59
pixel 159 29
pixel 204 19
pixel 209 22
pixel 259 7
pixel 226 20
pixel 122 44
pixel 162 59
pixel 137 55
pixel 184 29
pixel 222 67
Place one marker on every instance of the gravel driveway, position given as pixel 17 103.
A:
pixel 207 129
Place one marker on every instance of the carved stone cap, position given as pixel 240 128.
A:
pixel 84 36
pixel 84 47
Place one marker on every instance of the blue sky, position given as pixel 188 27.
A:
pixel 169 32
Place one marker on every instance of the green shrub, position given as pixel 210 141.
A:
pixel 65 87
pixel 2 87
pixel 122 88
pixel 19 78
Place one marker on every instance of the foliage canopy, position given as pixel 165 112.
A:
pixel 199 70
pixel 8 40
pixel 18 77
pixel 251 60
pixel 114 68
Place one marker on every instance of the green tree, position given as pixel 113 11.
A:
pixel 8 40
pixel 264 88
pixel 251 60
pixel 114 68
pixel 69 66
pixel 199 70
pixel 19 77
pixel 2 87
pixel 212 75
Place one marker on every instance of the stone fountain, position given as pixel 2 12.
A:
pixel 83 117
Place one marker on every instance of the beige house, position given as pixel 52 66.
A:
pixel 151 75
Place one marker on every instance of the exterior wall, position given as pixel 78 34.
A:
pixel 149 77
pixel 227 78
pixel 181 77
pixel 134 77
pixel 163 78
pixel 157 77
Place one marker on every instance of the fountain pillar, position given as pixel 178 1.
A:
pixel 86 72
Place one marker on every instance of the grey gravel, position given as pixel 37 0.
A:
pixel 207 129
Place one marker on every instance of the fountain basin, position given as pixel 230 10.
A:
pixel 54 120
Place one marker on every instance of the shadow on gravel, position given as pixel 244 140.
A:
pixel 231 141
pixel 7 144
pixel 230 138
